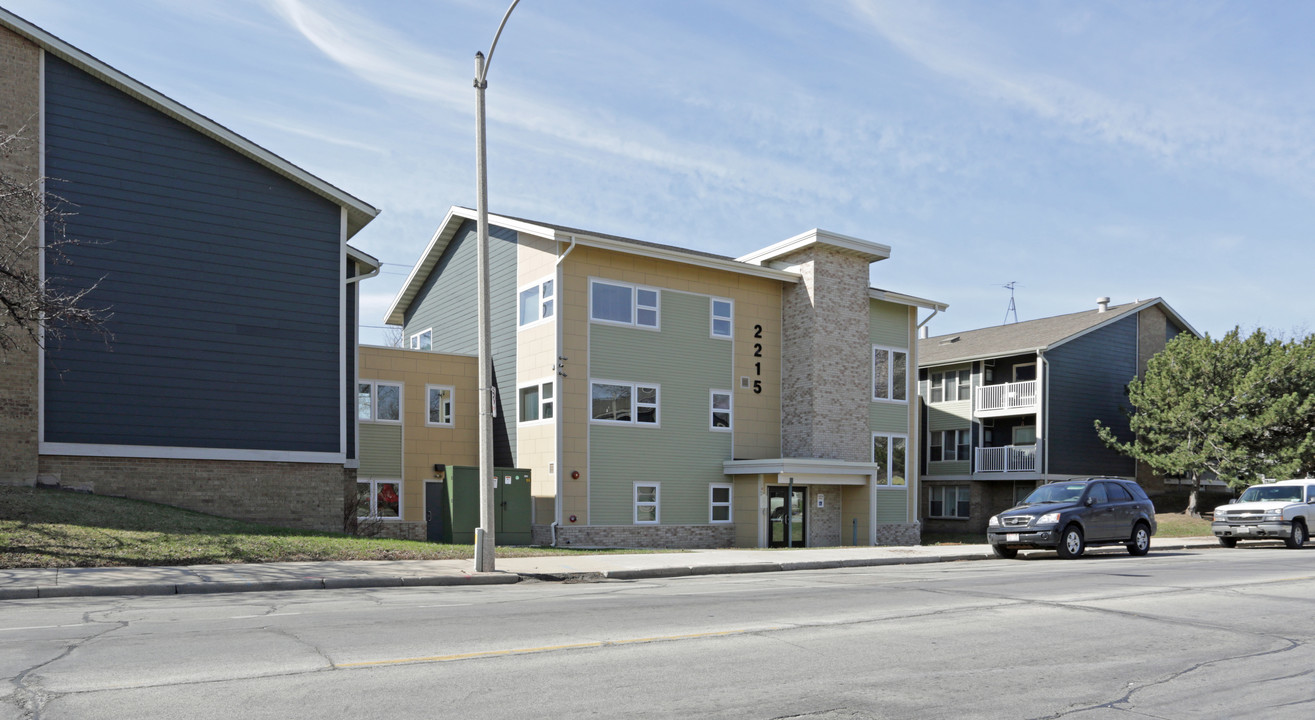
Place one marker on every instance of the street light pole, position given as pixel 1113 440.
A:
pixel 484 535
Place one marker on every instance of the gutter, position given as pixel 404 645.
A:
pixel 557 451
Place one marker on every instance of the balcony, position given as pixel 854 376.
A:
pixel 1014 398
pixel 1011 458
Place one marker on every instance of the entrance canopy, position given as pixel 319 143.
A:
pixel 806 471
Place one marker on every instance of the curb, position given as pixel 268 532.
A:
pixel 207 588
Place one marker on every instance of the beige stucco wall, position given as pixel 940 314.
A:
pixel 756 303
pixel 424 446
pixel 536 360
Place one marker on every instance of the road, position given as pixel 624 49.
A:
pixel 1187 634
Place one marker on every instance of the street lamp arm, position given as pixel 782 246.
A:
pixel 481 77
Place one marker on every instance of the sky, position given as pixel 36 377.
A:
pixel 1077 150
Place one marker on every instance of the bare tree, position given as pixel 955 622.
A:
pixel 393 336
pixel 30 305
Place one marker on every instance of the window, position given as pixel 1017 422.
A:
pixel 965 384
pixel 439 404
pixel 721 410
pixel 1025 435
pixel 937 387
pixel 890 453
pixel 949 445
pixel 624 403
pixel 379 401
pixel 646 502
pixel 623 304
pixel 380 499
pixel 720 503
pixel 889 374
pixel 1118 493
pixel 536 302
pixel 948 501
pixel 423 340
pixel 535 402
pixel 721 318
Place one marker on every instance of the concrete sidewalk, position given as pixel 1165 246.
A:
pixel 83 582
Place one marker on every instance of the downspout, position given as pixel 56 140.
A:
pixel 367 276
pixel 1045 412
pixel 557 452
pixel 934 312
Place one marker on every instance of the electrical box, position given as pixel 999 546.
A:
pixel 456 516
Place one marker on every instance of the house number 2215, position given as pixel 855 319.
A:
pixel 757 364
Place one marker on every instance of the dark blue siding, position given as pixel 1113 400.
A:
pixel 1088 380
pixel 223 278
pixel 448 304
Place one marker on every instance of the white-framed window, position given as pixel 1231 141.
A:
pixel 535 402
pixel 438 405
pixel 722 408
pixel 647 503
pixel 948 501
pixel 890 452
pixel 890 374
pixel 1024 435
pixel 1024 372
pixel 379 499
pixel 378 401
pixel 624 304
pixel 623 403
pixel 950 386
pixel 719 502
pixel 723 311
pixel 536 302
pixel 949 445
pixel 423 340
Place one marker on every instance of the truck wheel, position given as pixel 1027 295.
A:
pixel 1004 552
pixel 1228 541
pixel 1071 543
pixel 1141 540
pixel 1298 537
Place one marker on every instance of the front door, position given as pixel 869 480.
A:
pixel 436 530
pixel 786 520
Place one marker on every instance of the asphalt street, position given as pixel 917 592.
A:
pixel 1177 634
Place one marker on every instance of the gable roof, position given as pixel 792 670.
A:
pixel 458 215
pixel 1032 335
pixel 359 212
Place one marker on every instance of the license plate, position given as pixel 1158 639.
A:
pixel 1011 537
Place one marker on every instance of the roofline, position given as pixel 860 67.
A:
pixel 363 258
pixel 1136 308
pixel 359 212
pixel 447 229
pixel 902 299
pixel 866 249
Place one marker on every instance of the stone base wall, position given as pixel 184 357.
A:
pixel 309 496
pixel 638 536
pixel 899 534
pixel 417 531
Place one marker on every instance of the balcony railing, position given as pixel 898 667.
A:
pixel 1011 458
pixel 1006 397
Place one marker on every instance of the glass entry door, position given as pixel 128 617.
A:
pixel 786 520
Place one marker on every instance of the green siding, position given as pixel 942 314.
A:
pixel 958 467
pixel 889 324
pixel 682 453
pixel 950 416
pixel 381 450
pixel 888 417
pixel 892 506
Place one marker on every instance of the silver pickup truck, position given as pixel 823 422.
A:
pixel 1282 510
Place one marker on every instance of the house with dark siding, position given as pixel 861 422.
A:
pixel 229 384
pixel 1012 407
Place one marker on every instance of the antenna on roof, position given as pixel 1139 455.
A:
pixel 1012 310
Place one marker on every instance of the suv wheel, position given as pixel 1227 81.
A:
pixel 1141 540
pixel 1228 541
pixel 1298 537
pixel 1004 552
pixel 1071 544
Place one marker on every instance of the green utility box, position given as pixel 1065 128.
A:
pixel 452 506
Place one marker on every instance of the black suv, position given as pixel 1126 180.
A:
pixel 1070 515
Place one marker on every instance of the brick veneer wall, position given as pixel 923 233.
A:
pixel 824 522
pixel 825 363
pixel 309 496
pixel 899 534
pixel 638 536
pixel 19 110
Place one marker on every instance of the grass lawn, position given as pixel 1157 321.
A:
pixel 56 528
pixel 1170 525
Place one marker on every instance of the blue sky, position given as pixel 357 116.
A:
pixel 1127 149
